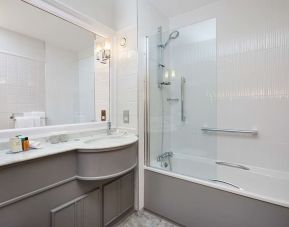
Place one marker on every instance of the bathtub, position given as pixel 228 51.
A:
pixel 264 189
pixel 258 183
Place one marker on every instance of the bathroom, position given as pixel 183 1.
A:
pixel 144 113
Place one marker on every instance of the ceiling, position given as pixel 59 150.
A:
pixel 173 8
pixel 25 19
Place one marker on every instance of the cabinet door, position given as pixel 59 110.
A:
pixel 110 202
pixel 126 192
pixel 92 206
pixel 64 216
pixel 83 211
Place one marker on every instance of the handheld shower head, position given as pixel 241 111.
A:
pixel 173 35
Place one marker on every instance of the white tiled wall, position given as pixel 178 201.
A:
pixel 101 90
pixel 193 57
pixel 21 76
pixel 126 63
pixel 86 88
pixel 61 85
pixel 252 78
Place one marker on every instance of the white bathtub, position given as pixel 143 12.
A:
pixel 257 183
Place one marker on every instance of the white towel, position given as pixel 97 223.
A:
pixel 27 122
pixel 40 114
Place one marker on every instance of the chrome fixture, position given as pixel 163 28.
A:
pixel 172 36
pixel 224 182
pixel 165 83
pixel 233 165
pixel 253 131
pixel 165 159
pixel 108 129
pixel 165 156
pixel 172 99
pixel 183 81
pixel 103 52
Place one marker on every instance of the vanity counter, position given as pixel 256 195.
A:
pixel 94 143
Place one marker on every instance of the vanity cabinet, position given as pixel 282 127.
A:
pixel 118 197
pixel 83 211
pixel 59 191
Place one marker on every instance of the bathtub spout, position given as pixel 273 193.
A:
pixel 164 156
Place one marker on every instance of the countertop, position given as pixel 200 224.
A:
pixel 94 143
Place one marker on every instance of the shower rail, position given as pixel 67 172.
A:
pixel 233 165
pixel 183 81
pixel 253 132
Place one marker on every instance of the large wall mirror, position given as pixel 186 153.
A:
pixel 48 70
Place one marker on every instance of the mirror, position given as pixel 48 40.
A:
pixel 48 70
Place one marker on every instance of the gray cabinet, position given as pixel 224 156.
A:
pixel 83 211
pixel 118 197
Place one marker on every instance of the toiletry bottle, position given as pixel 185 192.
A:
pixel 26 144
pixel 22 138
pixel 15 145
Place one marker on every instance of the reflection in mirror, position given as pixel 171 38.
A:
pixel 47 70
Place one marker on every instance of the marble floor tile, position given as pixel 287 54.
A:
pixel 145 219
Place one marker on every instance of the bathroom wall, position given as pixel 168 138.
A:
pixel 101 91
pixel 192 56
pixel 86 86
pixel 61 69
pixel 21 75
pixel 252 78
pixel 126 60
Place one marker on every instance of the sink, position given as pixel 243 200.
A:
pixel 107 156
pixel 104 138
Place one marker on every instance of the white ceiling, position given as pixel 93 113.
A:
pixel 173 8
pixel 25 19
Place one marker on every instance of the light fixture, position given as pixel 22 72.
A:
pixel 103 51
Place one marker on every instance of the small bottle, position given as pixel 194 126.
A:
pixel 22 138
pixel 26 144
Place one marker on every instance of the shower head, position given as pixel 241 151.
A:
pixel 173 35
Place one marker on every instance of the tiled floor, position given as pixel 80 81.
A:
pixel 145 219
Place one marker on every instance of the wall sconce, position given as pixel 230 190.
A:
pixel 103 52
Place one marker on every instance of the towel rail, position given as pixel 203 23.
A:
pixel 253 131
pixel 14 115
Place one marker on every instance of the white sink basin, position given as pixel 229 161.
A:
pixel 106 138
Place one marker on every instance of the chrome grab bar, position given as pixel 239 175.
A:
pixel 172 99
pixel 183 81
pixel 253 131
pixel 233 165
pixel 224 182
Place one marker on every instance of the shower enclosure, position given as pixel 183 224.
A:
pixel 203 119
pixel 182 91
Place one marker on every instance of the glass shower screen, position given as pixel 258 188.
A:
pixel 181 90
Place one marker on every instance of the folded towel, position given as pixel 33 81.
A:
pixel 27 122
pixel 35 144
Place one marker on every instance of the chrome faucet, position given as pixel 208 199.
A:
pixel 162 157
pixel 108 129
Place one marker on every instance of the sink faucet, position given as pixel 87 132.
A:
pixel 108 129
